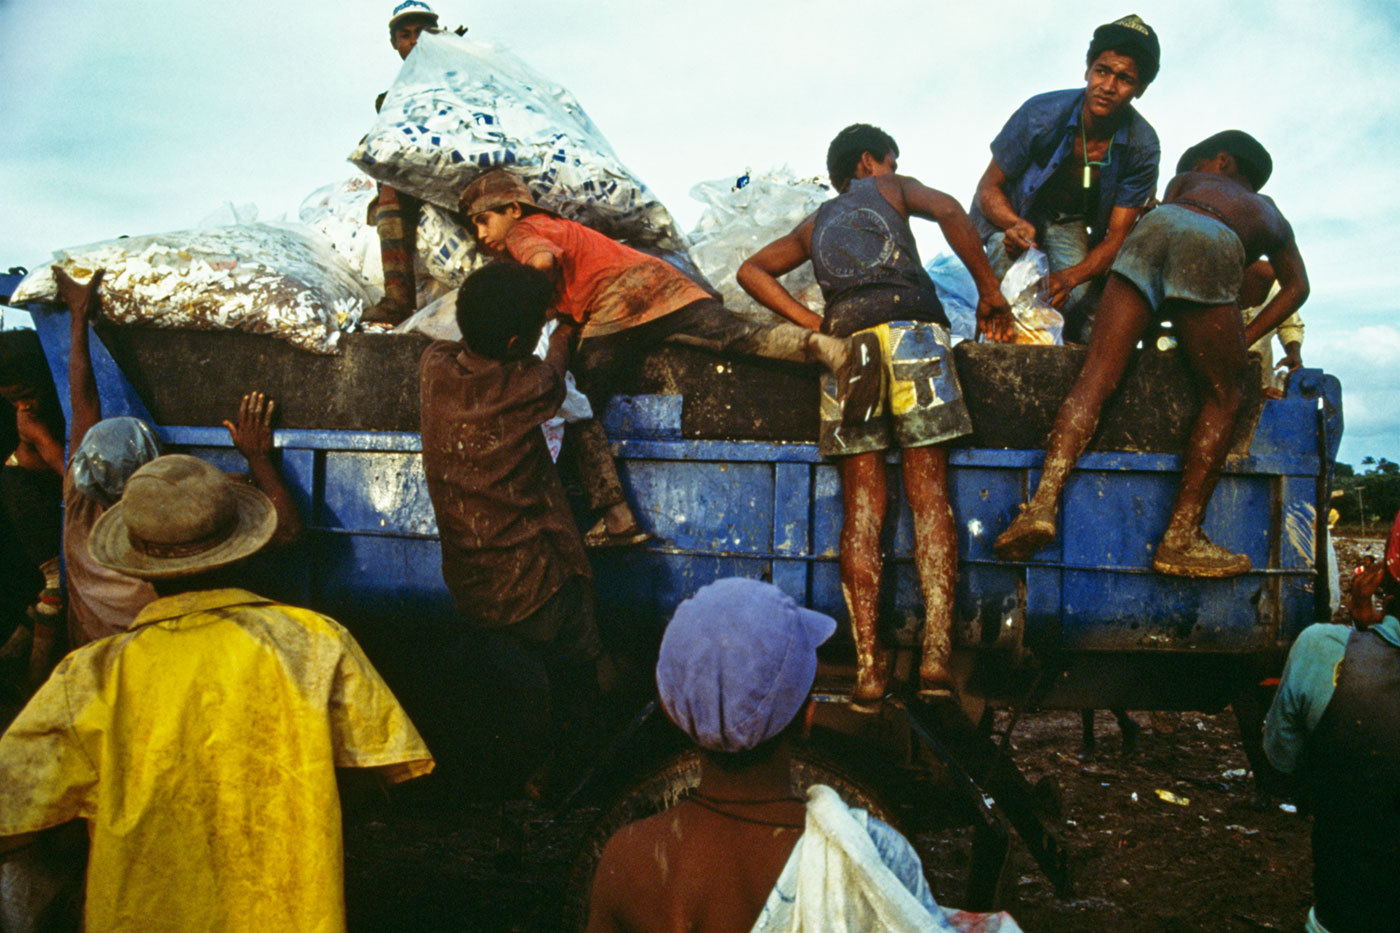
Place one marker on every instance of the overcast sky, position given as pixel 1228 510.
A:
pixel 142 116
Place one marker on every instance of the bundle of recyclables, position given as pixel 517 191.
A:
pixel 460 107
pixel 744 215
pixel 263 278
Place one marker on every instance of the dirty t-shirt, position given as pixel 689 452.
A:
pixel 509 541
pixel 605 286
pixel 201 748
pixel 101 601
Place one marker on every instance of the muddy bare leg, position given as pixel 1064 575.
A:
pixel 936 557
pixel 1123 314
pixel 1213 340
pixel 598 472
pixel 863 497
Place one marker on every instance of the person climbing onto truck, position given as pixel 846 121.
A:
pixel 201 746
pixel 1071 171
pixel 1335 722
pixel 1184 262
pixel 735 672
pixel 876 289
pixel 626 303
pixel 106 451
pixel 511 553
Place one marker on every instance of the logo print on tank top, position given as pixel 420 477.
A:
pixel 855 243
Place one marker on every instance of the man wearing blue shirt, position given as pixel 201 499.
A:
pixel 1336 722
pixel 1071 170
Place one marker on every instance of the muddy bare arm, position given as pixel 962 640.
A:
pixel 759 275
pixel 1096 263
pixel 993 312
pixel 252 436
pixel 1293 291
pixel 83 307
pixel 992 201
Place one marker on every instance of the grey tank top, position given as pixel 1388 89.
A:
pixel 867 265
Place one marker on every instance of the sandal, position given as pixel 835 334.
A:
pixel 599 536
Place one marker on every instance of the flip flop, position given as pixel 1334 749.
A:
pixel 599 536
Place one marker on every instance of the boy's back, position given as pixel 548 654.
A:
pixel 1254 217
pixel 508 537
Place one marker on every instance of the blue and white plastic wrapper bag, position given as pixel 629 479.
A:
pixel 263 278
pixel 459 107
pixel 744 214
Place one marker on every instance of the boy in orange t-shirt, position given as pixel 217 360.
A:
pixel 626 303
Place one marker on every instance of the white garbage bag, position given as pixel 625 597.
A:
pixel 263 278
pixel 836 881
pixel 744 215
pixel 459 107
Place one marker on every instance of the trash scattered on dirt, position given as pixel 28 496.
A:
pixel 1169 797
pixel 1235 773
pixel 1243 830
pixel 1288 807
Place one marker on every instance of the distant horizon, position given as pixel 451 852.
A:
pixel 135 119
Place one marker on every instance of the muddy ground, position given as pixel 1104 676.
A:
pixel 1216 857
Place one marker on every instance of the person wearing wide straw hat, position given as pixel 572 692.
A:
pixel 1335 722
pixel 201 745
pixel 735 673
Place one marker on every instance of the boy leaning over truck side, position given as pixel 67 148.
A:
pixel 875 287
pixel 1183 262
pixel 627 303
pixel 511 553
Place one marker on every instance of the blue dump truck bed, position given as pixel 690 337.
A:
pixel 719 462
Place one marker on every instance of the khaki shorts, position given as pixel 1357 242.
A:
pixel 922 402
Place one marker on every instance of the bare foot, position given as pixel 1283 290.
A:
pixel 386 312
pixel 1032 530
pixel 935 680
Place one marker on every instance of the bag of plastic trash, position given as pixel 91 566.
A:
pixel 337 211
pixel 439 321
pixel 957 292
pixel 263 278
pixel 741 217
pixel 459 107
pixel 1037 322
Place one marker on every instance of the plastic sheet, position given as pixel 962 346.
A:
pixel 262 278
pixel 744 215
pixel 459 107
pixel 957 292
pixel 1024 287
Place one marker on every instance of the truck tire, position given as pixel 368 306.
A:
pixel 666 784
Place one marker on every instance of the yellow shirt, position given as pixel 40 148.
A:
pixel 201 748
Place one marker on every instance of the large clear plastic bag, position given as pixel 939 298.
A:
pixel 741 217
pixel 957 292
pixel 263 278
pixel 1024 287
pixel 338 212
pixel 439 321
pixel 459 107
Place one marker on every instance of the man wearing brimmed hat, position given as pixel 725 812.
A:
pixel 735 672
pixel 1071 170
pixel 1335 722
pixel 1184 262
pixel 627 303
pixel 201 745
pixel 106 452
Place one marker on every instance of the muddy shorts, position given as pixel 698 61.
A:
pixel 922 402
pixel 1174 252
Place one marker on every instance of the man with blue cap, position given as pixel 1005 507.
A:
pixel 735 672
